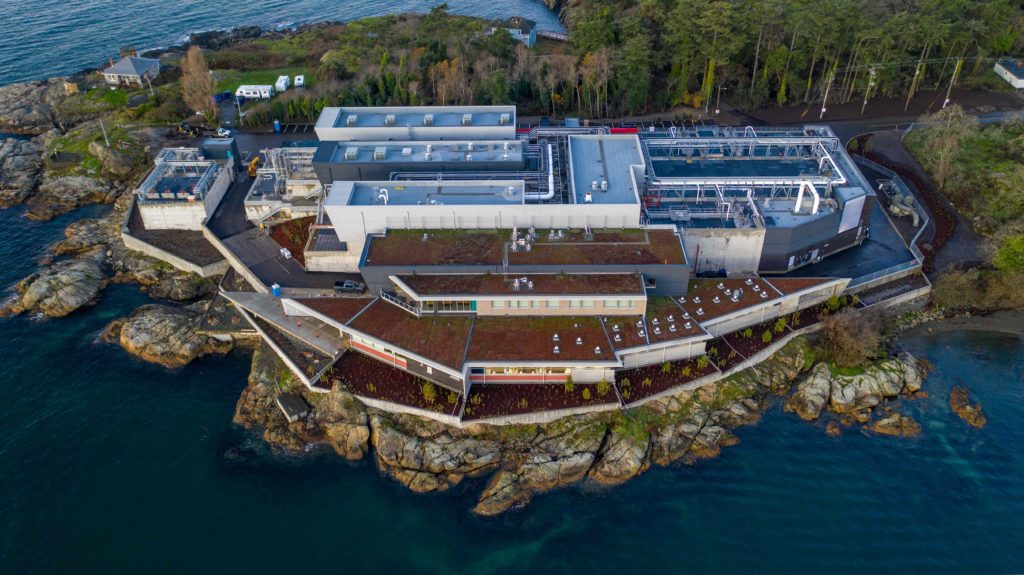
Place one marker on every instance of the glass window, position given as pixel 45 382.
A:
pixel 498 304
pixel 553 303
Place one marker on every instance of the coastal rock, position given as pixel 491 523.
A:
pixel 623 457
pixel 960 403
pixel 21 162
pixel 80 236
pixel 811 394
pixel 897 425
pixel 885 379
pixel 65 194
pixel 256 407
pixel 432 463
pixel 62 288
pixel 344 423
pixel 167 336
pixel 160 279
pixel 28 108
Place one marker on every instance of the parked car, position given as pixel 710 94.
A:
pixel 223 133
pixel 349 286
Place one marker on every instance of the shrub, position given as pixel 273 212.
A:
pixel 666 368
pixel 702 362
pixel 586 393
pixel 766 337
pixel 780 325
pixel 428 391
pixel 956 288
pixel 832 304
pixel 453 398
pixel 850 339
pixel 1010 255
pixel 747 333
pixel 603 387
pixel 624 382
pixel 646 382
pixel 687 371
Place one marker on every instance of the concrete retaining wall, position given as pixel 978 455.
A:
pixel 133 243
pixel 234 262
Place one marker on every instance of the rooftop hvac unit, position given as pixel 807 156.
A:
pixel 506 119
pixel 389 120
pixel 380 152
pixel 430 148
pixel 506 146
pixel 428 119
pixel 588 198
pixel 352 120
pixel 469 157
pixel 467 119
pixel 351 153
pixel 469 146
pixel 407 151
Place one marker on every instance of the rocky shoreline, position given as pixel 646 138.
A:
pixel 603 448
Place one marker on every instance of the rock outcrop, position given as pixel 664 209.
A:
pixel 112 161
pixel 21 162
pixel 896 425
pixel 960 403
pixel 62 288
pixel 65 194
pixel 30 107
pixel 854 395
pixel 164 335
pixel 607 448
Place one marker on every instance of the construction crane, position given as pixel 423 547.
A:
pixel 254 165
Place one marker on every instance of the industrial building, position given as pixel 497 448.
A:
pixel 186 185
pixel 549 256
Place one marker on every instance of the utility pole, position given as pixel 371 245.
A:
pixel 104 130
pixel 828 86
pixel 956 74
pixel 867 92
pixel 718 101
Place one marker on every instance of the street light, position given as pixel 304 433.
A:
pixel 718 100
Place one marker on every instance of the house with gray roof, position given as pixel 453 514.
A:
pixel 523 30
pixel 131 70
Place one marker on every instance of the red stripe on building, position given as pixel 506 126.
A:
pixel 392 359
pixel 624 130
pixel 522 377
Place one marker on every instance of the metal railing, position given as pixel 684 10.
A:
pixel 395 300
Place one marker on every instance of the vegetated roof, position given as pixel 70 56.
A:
pixel 628 329
pixel 439 338
pixel 635 247
pixel 531 339
pixel 787 286
pixel 700 302
pixel 662 314
pixel 483 247
pixel 340 309
pixel 542 284
pixel 407 247
pixel 132 66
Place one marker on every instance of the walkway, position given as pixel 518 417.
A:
pixel 310 331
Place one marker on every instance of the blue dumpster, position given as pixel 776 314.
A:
pixel 276 290
pixel 277 125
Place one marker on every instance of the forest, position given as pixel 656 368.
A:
pixel 629 57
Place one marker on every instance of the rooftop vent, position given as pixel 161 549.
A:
pixel 716 299
pixel 380 152
pixel 696 299
pixel 721 285
pixel 764 295
pixel 506 119
pixel 579 341
pixel 597 350
pixel 604 185
pixel 671 319
pixel 467 119
pixel 555 351
pixel 700 311
pixel 351 120
pixel 654 321
pixel 506 146
pixel 615 328
pixel 428 119
pixel 617 337
pixel 688 325
pixel 682 299
pixel 469 146
pixel 642 333
pixel 757 288
pixel 657 331
pixel 554 337
pixel 407 151
pixel 672 328
pixel 351 153
pixel 686 315
pixel 588 198
pixel 749 281
pixel 389 120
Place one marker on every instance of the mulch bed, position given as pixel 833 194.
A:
pixel 293 235
pixel 643 382
pixel 370 378
pixel 497 400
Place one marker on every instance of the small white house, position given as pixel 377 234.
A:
pixel 263 91
pixel 283 83
pixel 132 71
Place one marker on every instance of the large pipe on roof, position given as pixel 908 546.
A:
pixel 805 185
pixel 542 196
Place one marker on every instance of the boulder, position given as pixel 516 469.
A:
pixel 21 162
pixel 159 278
pixel 960 403
pixel 166 335
pixel 113 162
pixel 61 288
pixel 885 379
pixel 344 422
pixel 811 394
pixel 65 194
pixel 80 236
pixel 897 425
pixel 623 457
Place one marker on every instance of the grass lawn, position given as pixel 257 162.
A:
pixel 230 80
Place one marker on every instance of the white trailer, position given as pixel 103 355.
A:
pixel 283 83
pixel 264 91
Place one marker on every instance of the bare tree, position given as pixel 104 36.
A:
pixel 945 131
pixel 197 84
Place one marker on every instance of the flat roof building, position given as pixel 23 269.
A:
pixel 416 123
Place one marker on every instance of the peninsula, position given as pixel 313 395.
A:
pixel 461 291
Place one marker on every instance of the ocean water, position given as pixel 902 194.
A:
pixel 44 38
pixel 110 465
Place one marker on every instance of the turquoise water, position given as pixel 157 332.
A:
pixel 109 465
pixel 43 38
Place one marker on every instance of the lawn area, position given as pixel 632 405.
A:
pixel 230 80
